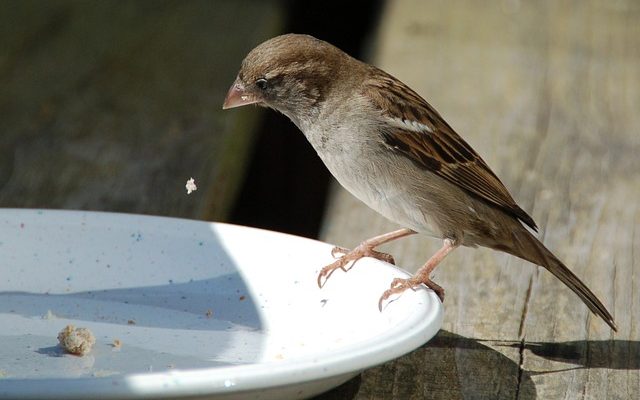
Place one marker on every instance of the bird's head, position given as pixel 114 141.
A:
pixel 292 74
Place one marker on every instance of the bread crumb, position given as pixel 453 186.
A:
pixel 76 341
pixel 191 186
pixel 131 322
pixel 209 313
pixel 116 344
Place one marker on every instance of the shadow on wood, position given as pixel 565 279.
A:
pixel 450 366
pixel 610 354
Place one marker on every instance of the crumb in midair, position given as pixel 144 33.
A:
pixel 191 186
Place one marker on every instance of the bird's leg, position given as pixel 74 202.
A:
pixel 364 249
pixel 422 276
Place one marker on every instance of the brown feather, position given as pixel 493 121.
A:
pixel 526 246
pixel 440 150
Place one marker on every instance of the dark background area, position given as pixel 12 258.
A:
pixel 286 185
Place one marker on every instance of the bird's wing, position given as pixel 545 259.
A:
pixel 421 134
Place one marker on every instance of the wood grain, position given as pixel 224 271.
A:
pixel 548 93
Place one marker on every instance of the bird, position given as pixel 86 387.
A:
pixel 392 150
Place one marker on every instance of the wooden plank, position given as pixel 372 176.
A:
pixel 549 93
pixel 113 106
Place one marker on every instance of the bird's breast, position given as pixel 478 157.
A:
pixel 369 171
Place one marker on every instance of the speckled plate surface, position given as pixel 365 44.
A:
pixel 201 309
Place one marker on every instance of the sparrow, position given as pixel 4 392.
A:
pixel 392 150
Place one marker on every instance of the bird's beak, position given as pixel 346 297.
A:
pixel 239 96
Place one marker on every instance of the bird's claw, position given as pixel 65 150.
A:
pixel 344 256
pixel 397 282
pixel 339 250
pixel 328 270
pixel 399 285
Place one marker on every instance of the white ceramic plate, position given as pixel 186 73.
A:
pixel 201 309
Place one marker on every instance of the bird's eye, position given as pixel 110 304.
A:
pixel 261 83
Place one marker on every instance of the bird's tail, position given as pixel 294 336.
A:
pixel 528 247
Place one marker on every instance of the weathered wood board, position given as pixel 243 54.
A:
pixel 549 93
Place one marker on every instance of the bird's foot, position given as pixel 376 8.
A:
pixel 399 285
pixel 363 250
pixel 422 276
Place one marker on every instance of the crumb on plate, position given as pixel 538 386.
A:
pixel 131 322
pixel 209 313
pixel 78 341
pixel 116 344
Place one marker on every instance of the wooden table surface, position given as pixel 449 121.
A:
pixel 549 94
